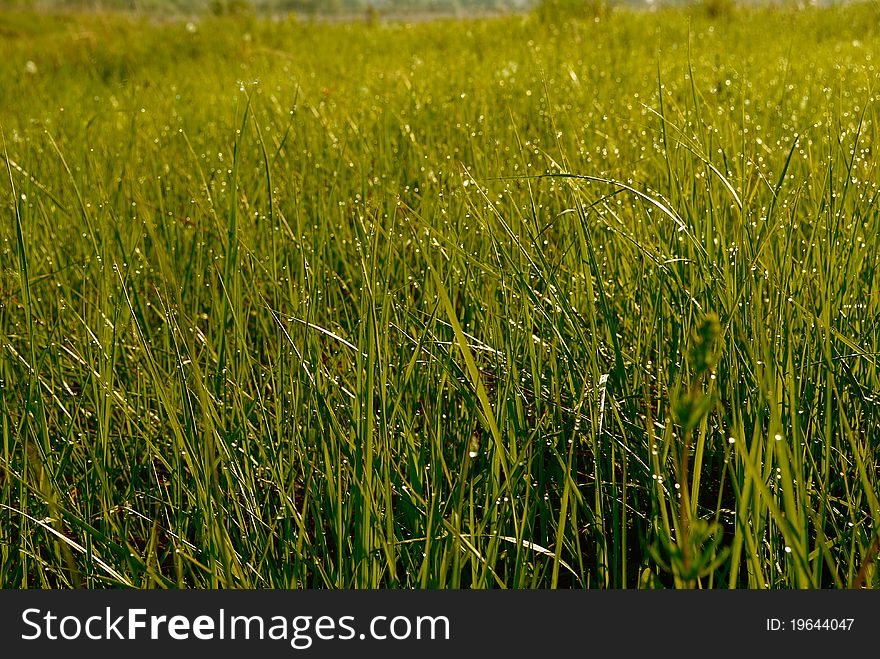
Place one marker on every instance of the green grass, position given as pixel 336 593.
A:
pixel 522 302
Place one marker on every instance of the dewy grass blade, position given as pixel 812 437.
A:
pixel 603 386
pixel 74 545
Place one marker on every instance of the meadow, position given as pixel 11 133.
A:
pixel 573 298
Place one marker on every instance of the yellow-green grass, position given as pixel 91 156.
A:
pixel 532 301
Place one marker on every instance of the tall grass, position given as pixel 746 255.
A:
pixel 494 304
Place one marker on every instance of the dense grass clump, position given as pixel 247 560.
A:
pixel 521 302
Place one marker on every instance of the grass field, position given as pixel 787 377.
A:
pixel 531 301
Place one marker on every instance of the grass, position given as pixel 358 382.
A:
pixel 523 302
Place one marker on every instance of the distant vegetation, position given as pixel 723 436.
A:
pixel 392 8
pixel 301 7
